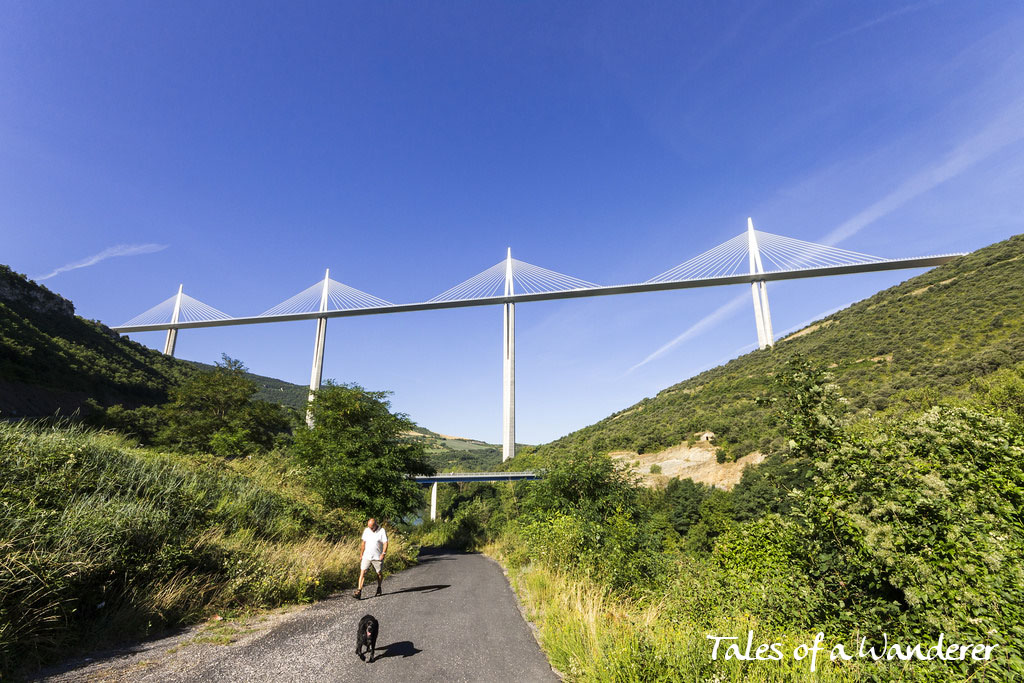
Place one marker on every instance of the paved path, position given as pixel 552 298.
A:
pixel 453 617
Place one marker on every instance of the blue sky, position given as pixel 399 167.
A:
pixel 241 148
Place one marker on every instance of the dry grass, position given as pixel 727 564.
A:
pixel 101 541
pixel 297 571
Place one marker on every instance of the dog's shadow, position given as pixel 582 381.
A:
pixel 402 648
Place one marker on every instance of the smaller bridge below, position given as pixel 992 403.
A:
pixel 458 477
pixel 453 477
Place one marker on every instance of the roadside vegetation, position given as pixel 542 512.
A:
pixel 103 538
pixel 900 526
pixel 888 508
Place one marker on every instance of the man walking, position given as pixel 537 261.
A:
pixel 372 551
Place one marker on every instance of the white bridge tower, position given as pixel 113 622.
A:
pixel 508 429
pixel 318 349
pixel 172 333
pixel 762 314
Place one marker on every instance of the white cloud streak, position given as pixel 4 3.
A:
pixel 707 322
pixel 109 252
pixel 888 16
pixel 1004 131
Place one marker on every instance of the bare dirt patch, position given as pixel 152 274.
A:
pixel 807 330
pixel 921 290
pixel 697 462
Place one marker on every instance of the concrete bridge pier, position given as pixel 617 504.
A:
pixel 759 291
pixel 318 350
pixel 172 332
pixel 508 430
pixel 433 502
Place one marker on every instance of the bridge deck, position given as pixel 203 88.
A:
pixel 746 278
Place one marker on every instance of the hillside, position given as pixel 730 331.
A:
pixel 52 359
pixel 275 390
pixel 457 454
pixel 921 339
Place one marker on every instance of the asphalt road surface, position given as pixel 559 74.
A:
pixel 453 617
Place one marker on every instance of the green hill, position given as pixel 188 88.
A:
pixel 456 454
pixel 53 360
pixel 275 390
pixel 919 340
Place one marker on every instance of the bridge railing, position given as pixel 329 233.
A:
pixel 453 477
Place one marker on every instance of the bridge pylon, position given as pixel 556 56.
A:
pixel 316 375
pixel 759 291
pixel 172 332
pixel 508 431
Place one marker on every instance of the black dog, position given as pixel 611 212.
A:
pixel 366 637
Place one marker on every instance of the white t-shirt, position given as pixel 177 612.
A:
pixel 375 541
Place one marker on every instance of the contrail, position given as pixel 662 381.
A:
pixel 1001 133
pixel 704 323
pixel 109 252
pixel 888 16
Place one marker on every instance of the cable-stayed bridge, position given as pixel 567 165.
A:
pixel 753 257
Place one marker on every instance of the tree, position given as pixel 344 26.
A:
pixel 215 412
pixel 766 488
pixel 809 408
pixel 684 498
pixel 583 484
pixel 357 454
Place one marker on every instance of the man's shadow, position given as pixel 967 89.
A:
pixel 421 589
pixel 427 556
pixel 402 648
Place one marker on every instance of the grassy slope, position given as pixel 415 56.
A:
pixel 930 335
pixel 51 358
pixel 101 541
pixel 454 454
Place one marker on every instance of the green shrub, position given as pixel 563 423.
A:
pixel 100 541
pixel 919 530
pixel 356 455
pixel 683 498
pixel 466 531
pixel 586 485
pixel 211 412
pixel 214 412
